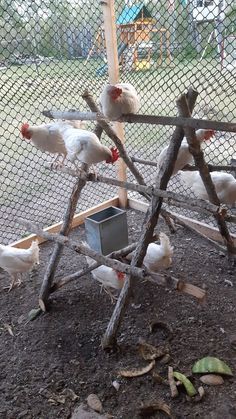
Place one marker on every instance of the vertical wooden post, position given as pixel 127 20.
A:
pixel 113 71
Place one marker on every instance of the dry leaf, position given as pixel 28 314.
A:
pixel 212 379
pixel 136 372
pixel 150 352
pixel 94 403
pixel 8 328
pixel 159 405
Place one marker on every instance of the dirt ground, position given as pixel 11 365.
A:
pixel 60 351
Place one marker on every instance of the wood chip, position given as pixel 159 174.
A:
pixel 136 372
pixel 94 403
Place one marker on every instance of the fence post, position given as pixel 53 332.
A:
pixel 113 71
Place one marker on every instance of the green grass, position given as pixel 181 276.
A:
pixel 27 90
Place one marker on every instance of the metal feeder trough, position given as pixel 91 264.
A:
pixel 107 230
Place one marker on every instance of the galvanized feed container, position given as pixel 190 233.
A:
pixel 107 230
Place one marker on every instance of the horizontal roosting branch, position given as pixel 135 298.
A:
pixel 211 167
pixel 171 198
pixel 144 119
pixel 138 273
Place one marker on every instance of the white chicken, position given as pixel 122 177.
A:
pixel 17 261
pixel 108 277
pixel 184 156
pixel 225 185
pixel 63 139
pixel 158 256
pixel 119 99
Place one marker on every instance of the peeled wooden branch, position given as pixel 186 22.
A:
pixel 65 228
pixel 136 272
pixel 195 149
pixel 188 167
pixel 109 338
pixel 144 119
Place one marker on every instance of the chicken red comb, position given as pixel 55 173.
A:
pixel 115 92
pixel 209 134
pixel 115 154
pixel 24 129
pixel 120 275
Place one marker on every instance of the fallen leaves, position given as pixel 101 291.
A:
pixel 212 379
pixel 190 389
pixel 211 364
pixel 159 405
pixel 136 372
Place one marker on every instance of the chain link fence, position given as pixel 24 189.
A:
pixel 51 50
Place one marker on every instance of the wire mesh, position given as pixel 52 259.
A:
pixel 51 50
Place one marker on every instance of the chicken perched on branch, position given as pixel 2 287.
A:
pixel 225 185
pixel 119 99
pixel 108 277
pixel 184 156
pixel 158 256
pixel 17 261
pixel 47 137
pixel 64 139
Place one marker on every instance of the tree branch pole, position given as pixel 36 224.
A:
pixel 64 231
pixel 144 119
pixel 211 167
pixel 136 272
pixel 195 150
pixel 171 198
pixel 109 338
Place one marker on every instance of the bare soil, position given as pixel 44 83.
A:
pixel 61 349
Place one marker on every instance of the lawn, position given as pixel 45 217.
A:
pixel 30 190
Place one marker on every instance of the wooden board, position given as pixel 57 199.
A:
pixel 198 226
pixel 77 220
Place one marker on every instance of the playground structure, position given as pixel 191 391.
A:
pixel 135 30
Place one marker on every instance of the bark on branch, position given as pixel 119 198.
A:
pixel 109 339
pixel 95 115
pixel 211 167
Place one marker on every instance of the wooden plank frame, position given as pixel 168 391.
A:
pixel 113 71
pixel 77 221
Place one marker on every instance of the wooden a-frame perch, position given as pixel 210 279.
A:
pixel 138 273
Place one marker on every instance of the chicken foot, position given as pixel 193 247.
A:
pixel 109 292
pixel 16 281
pixel 56 163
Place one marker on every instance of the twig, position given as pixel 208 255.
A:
pixel 144 119
pixel 173 389
pixel 136 272
pixel 195 150
pixel 109 338
pixel 64 231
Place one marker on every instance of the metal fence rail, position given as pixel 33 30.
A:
pixel 51 51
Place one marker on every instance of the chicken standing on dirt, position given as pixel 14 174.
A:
pixel 158 256
pixel 184 156
pixel 108 277
pixel 225 185
pixel 73 143
pixel 17 261
pixel 119 99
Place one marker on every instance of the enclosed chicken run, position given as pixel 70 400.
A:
pixel 58 76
